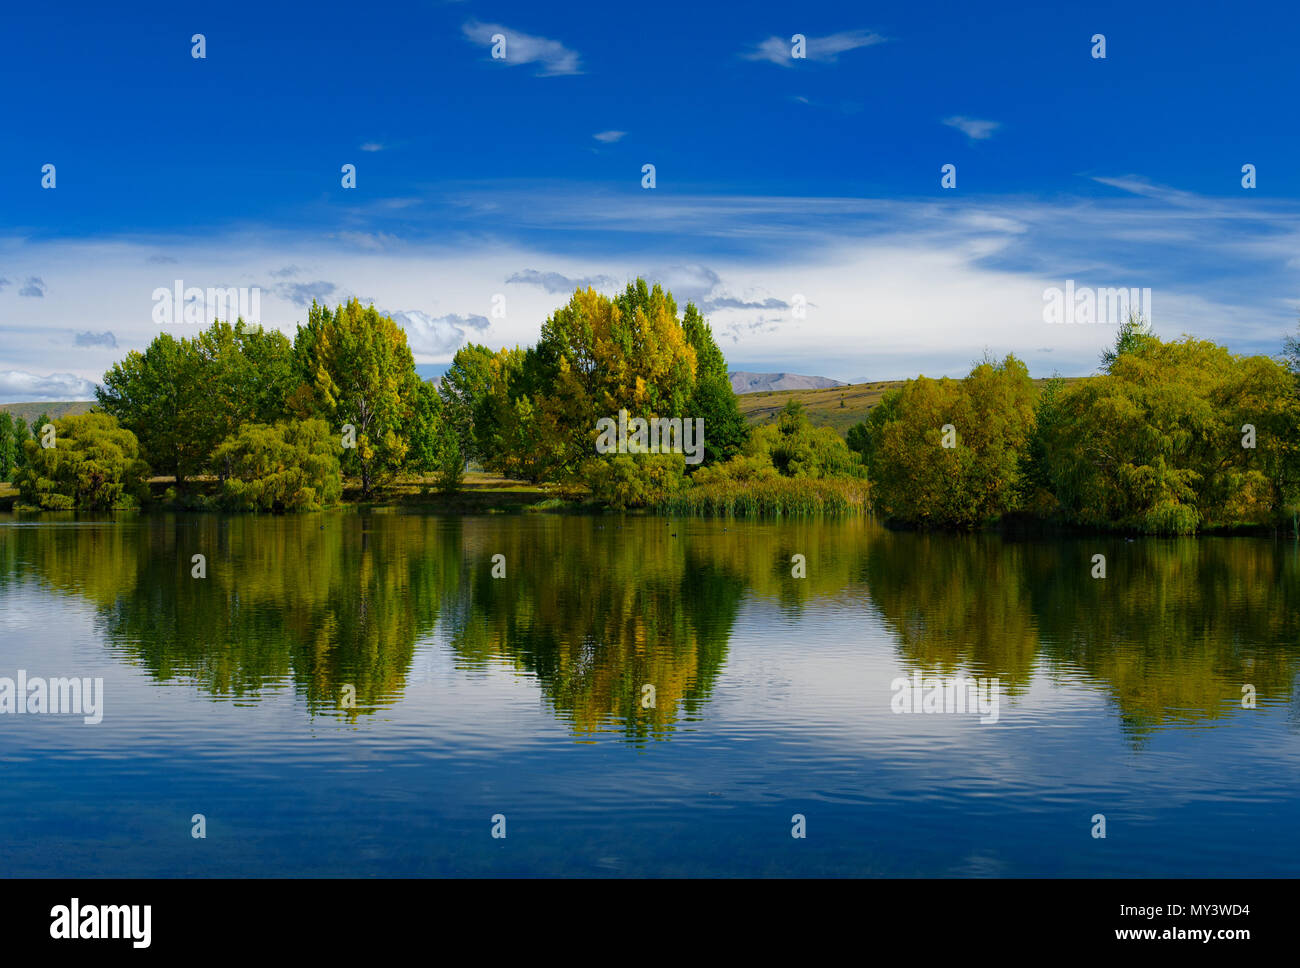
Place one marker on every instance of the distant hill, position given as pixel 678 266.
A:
pixel 838 407
pixel 744 382
pixel 53 409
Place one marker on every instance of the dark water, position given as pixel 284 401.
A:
pixel 523 696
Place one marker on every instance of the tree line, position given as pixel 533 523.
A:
pixel 280 424
pixel 1173 437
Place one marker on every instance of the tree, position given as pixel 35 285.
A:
pixel 1177 437
pixel 1291 354
pixel 464 391
pixel 159 396
pixel 713 398
pixel 289 466
pixel 357 369
pixel 8 446
pixel 21 434
pixel 1134 333
pixel 947 453
pixel 247 374
pixel 94 465
pixel 796 449
pixel 1035 472
pixel 598 355
pixel 426 430
pixel 182 398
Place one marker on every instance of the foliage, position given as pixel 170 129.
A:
pixel 1134 333
pixel 357 369
pixel 451 464
pixel 713 399
pixel 9 446
pixel 1158 444
pixel 181 398
pixel 598 355
pixel 425 449
pixel 624 481
pixel 796 449
pixel 464 392
pixel 289 466
pixel 94 465
pixel 918 480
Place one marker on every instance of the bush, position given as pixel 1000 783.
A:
pixel 289 466
pixel 634 480
pixel 796 449
pixel 93 465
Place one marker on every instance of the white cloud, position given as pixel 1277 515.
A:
pixel 552 57
pixel 17 386
pixel 779 50
pixel 372 146
pixel 609 137
pixel 892 286
pixel 428 336
pixel 971 128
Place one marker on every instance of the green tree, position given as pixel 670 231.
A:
pixel 94 465
pixel 796 449
pixel 21 435
pixel 1160 444
pixel 247 373
pixel 426 430
pixel 357 369
pixel 1134 333
pixel 464 391
pixel 8 446
pixel 713 398
pixel 289 466
pixel 986 418
pixel 159 396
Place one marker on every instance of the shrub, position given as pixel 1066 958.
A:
pixel 94 465
pixel 289 466
pixel 634 480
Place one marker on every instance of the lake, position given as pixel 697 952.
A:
pixel 357 694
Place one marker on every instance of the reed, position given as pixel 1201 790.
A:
pixel 778 497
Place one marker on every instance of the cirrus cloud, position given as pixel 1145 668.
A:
pixel 551 56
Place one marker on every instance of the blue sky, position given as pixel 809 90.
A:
pixel 776 177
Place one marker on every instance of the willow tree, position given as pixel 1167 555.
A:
pixel 947 453
pixel 94 464
pixel 1177 437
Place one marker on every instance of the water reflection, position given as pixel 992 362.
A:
pixel 595 609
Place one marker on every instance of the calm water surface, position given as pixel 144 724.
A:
pixel 228 696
